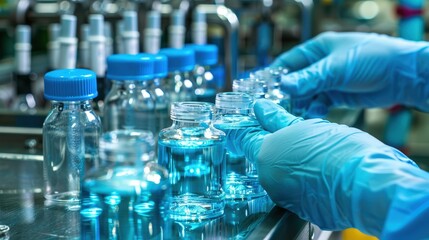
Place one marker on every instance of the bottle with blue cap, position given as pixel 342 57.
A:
pixel 70 134
pixel 158 89
pixel 180 83
pixel 130 103
pixel 206 55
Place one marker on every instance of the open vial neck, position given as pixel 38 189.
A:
pixel 191 111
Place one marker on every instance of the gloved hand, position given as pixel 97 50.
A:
pixel 360 70
pixel 336 176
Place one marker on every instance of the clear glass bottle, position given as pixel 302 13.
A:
pixel 70 133
pixel 272 76
pixel 180 82
pixel 256 88
pixel 233 111
pixel 205 85
pixel 126 195
pixel 193 152
pixel 159 91
pixel 130 103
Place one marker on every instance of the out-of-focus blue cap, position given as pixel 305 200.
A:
pixel 130 67
pixel 153 20
pixel 182 60
pixel 205 55
pixel 23 34
pixel 160 68
pixel 96 25
pixel 68 26
pixel 70 85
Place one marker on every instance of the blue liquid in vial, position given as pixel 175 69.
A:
pixel 111 209
pixel 241 175
pixel 196 168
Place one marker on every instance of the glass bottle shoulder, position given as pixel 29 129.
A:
pixel 67 114
pixel 132 93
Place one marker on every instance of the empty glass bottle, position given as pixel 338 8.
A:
pixel 256 88
pixel 272 77
pixel 193 152
pixel 159 91
pixel 233 112
pixel 70 133
pixel 205 84
pixel 130 103
pixel 180 82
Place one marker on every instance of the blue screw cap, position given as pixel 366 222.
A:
pixel 205 55
pixel 70 85
pixel 130 67
pixel 160 68
pixel 182 60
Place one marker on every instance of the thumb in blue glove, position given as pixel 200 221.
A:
pixel 336 176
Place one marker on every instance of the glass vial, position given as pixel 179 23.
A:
pixel 130 103
pixel 205 85
pixel 272 77
pixel 193 152
pixel 159 91
pixel 70 133
pixel 234 112
pixel 180 84
pixel 127 194
pixel 256 88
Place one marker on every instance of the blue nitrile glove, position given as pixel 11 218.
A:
pixel 336 176
pixel 357 70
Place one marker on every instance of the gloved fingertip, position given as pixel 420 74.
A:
pixel 273 117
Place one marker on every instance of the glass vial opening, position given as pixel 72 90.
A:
pixel 233 100
pixel 191 111
pixel 255 87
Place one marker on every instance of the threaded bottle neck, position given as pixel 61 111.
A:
pixel 233 103
pixel 191 111
pixel 254 87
